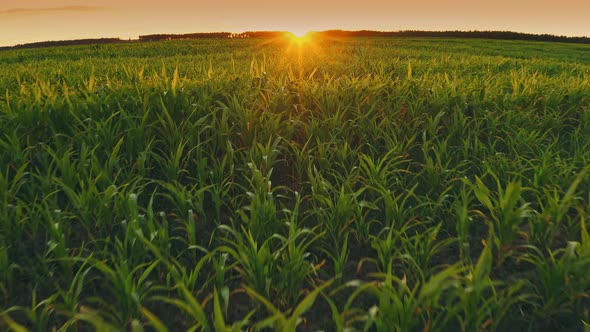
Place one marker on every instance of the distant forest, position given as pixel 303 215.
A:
pixel 67 43
pixel 504 35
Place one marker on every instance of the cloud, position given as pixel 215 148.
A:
pixel 28 11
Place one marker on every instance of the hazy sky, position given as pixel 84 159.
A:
pixel 24 21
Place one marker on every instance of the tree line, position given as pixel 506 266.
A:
pixel 505 35
pixel 66 43
pixel 199 35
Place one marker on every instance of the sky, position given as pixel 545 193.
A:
pixel 23 21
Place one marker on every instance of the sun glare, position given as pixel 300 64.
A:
pixel 299 33
pixel 300 36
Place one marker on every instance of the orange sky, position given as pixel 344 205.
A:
pixel 24 21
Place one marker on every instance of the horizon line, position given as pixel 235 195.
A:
pixel 139 37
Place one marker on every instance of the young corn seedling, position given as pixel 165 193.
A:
pixel 481 303
pixel 70 298
pixel 173 164
pixel 222 177
pixel 339 259
pixel 7 273
pixel 338 211
pixel 561 283
pixel 419 249
pixel 296 263
pixel 255 262
pixel 188 304
pixel 506 216
pixel 177 272
pixel 39 316
pixel 261 216
pixel 383 173
pixel 128 243
pixel 554 210
pixel 387 245
pixel 398 208
pixel 402 307
pixel 130 288
pixel 57 247
pixel 87 317
pixel 278 320
pixel 463 217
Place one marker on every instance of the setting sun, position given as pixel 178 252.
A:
pixel 300 36
pixel 299 33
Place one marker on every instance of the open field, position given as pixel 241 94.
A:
pixel 362 184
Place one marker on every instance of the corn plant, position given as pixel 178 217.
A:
pixel 561 282
pixel 506 215
pixel 403 307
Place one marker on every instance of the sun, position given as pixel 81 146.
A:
pixel 300 36
pixel 299 33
